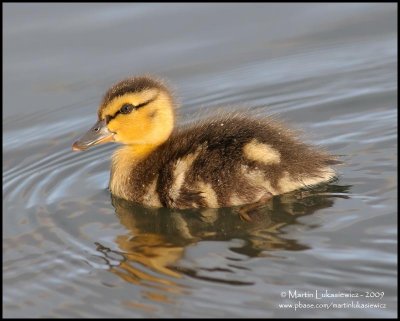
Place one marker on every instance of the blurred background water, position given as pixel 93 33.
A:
pixel 70 250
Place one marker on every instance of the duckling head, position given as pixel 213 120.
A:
pixel 135 111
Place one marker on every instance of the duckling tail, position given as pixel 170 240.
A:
pixel 333 162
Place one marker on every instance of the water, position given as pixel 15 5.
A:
pixel 70 250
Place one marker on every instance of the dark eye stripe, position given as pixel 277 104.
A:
pixel 108 118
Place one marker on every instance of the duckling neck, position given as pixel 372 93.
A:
pixel 124 160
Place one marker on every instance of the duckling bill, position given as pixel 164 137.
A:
pixel 228 160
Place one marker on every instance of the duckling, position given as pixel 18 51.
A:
pixel 222 161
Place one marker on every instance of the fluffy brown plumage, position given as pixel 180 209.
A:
pixel 226 160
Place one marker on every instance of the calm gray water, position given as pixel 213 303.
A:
pixel 70 250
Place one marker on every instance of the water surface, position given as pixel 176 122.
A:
pixel 71 250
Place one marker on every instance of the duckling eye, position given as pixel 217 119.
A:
pixel 126 109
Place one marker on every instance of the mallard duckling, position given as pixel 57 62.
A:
pixel 218 162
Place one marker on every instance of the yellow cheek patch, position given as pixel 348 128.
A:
pixel 132 98
pixel 130 127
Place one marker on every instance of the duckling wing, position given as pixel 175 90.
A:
pixel 235 160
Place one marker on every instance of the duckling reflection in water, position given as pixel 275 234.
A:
pixel 229 160
pixel 157 238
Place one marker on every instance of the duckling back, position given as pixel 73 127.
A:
pixel 227 161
